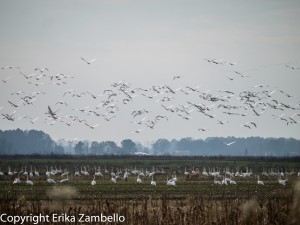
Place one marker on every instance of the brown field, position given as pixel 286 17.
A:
pixel 194 200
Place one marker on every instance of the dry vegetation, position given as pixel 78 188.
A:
pixel 194 200
pixel 273 208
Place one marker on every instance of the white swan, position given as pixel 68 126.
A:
pixel 171 182
pixel 93 181
pixel 153 183
pixel 29 182
pixel 259 182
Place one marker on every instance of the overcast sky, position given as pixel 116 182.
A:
pixel 147 43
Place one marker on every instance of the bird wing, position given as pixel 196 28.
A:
pixel 84 59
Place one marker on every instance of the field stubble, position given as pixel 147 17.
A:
pixel 191 201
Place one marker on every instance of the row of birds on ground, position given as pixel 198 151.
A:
pixel 119 174
pixel 220 107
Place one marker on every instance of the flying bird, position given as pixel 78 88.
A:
pixel 10 67
pixel 12 104
pixel 242 75
pixel 136 131
pixel 247 124
pixel 52 113
pixel 33 121
pixel 68 91
pixel 109 118
pixel 88 62
pixel 176 77
pixel 7 79
pixel 222 122
pixel 92 127
pixel 9 116
pixel 292 67
pixel 202 129
pixel 230 143
pixel 27 76
pixel 231 78
pixel 17 92
pixel 61 102
pixel 41 70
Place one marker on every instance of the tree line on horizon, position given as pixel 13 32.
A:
pixel 37 142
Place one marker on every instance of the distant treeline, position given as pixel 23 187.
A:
pixel 20 142
pixel 139 160
pixel 27 142
pixel 250 146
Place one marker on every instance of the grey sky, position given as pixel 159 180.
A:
pixel 147 43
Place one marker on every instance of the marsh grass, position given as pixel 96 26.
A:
pixel 194 200
pixel 275 208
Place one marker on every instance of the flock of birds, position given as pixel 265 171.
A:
pixel 185 102
pixel 55 175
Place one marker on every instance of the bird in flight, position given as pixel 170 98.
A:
pixel 12 104
pixel 6 79
pixel 88 61
pixel 41 69
pixel 292 67
pixel 10 67
pixel 231 78
pixel 176 77
pixel 202 129
pixel 33 121
pixel 9 117
pixel 27 76
pixel 242 75
pixel 136 131
pixel 230 143
pixel 52 114
pixel 92 127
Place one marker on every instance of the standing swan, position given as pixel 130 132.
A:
pixel 93 181
pixel 17 180
pixel 259 182
pixel 216 181
pixel 153 183
pixel 113 179
pixel 29 182
pixel 65 180
pixel 139 180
